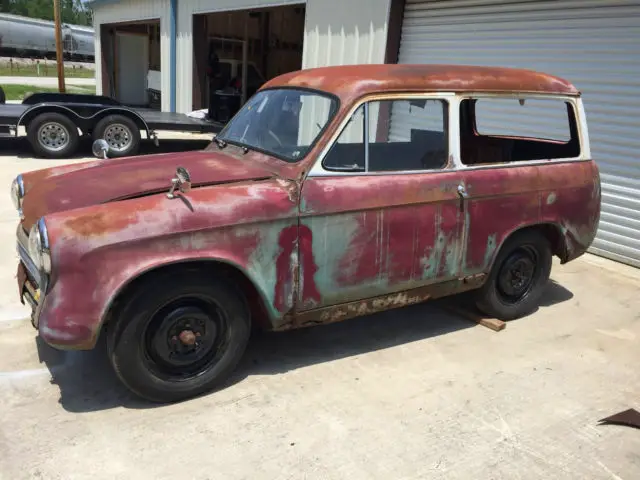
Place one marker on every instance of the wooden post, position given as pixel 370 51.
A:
pixel 59 58
pixel 245 59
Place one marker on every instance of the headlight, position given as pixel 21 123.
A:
pixel 39 246
pixel 17 193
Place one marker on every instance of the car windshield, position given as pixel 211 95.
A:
pixel 282 122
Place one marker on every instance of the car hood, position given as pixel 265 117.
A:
pixel 78 185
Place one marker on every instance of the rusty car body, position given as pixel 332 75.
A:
pixel 316 228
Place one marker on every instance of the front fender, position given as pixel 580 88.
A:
pixel 97 251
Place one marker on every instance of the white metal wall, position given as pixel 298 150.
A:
pixel 595 44
pixel 135 10
pixel 343 32
pixel 184 53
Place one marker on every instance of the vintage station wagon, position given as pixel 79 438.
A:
pixel 333 193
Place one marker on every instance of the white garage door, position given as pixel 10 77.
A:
pixel 595 44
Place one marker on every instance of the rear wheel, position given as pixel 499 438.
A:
pixel 518 277
pixel 121 133
pixel 53 135
pixel 178 336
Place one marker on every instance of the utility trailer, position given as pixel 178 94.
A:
pixel 54 123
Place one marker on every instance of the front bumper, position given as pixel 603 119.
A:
pixel 32 284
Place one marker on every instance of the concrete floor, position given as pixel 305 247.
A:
pixel 413 393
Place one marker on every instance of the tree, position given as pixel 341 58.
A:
pixel 72 11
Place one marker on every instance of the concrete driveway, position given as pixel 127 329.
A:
pixel 413 393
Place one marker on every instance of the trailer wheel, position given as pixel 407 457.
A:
pixel 3 98
pixel 53 135
pixel 121 133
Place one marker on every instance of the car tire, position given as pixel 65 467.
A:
pixel 150 351
pixel 121 133
pixel 518 277
pixel 53 135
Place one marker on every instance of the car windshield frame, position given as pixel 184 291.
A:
pixel 334 109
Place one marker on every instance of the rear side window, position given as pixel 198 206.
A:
pixel 505 130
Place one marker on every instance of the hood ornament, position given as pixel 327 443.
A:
pixel 181 182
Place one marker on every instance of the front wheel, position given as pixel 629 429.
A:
pixel 518 277
pixel 178 337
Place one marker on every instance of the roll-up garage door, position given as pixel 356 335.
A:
pixel 595 44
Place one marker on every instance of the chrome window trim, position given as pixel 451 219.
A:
pixel 575 101
pixel 453 100
pixel 318 170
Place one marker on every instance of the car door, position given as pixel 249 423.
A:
pixel 380 211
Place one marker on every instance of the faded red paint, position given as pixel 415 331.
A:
pixel 295 267
pixel 397 230
pixel 62 188
pixel 315 249
pixel 352 81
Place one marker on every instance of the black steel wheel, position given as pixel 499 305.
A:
pixel 178 336
pixel 518 278
pixel 121 133
pixel 53 135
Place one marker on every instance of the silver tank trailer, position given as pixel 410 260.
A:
pixel 23 36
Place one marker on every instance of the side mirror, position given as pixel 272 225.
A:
pixel 100 149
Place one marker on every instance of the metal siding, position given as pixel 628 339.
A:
pixel 184 53
pixel 339 32
pixel 135 10
pixel 593 44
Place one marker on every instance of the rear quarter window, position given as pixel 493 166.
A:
pixel 503 130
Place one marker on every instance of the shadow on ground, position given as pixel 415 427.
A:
pixel 19 147
pixel 87 382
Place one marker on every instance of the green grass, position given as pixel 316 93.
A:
pixel 18 92
pixel 46 70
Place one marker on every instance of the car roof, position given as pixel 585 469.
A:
pixel 349 81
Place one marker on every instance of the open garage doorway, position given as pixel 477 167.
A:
pixel 268 41
pixel 131 62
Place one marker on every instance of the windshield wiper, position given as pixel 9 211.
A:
pixel 221 143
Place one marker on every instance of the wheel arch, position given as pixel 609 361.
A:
pixel 38 110
pixel 253 295
pixel 551 231
pixel 130 114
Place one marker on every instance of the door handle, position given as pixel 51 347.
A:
pixel 462 191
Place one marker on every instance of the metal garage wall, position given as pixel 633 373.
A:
pixel 135 10
pixel 592 43
pixel 184 54
pixel 342 32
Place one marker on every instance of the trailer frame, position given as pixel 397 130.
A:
pixel 55 122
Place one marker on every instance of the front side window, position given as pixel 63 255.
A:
pixel 281 122
pixel 393 136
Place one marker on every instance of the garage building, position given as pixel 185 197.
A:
pixel 592 43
